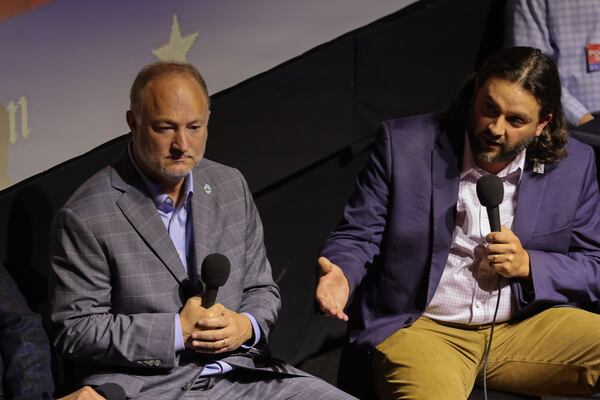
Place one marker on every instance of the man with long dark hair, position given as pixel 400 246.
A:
pixel 432 282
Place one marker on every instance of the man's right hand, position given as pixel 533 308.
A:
pixel 85 393
pixel 191 312
pixel 585 119
pixel 332 289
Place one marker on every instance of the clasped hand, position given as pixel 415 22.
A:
pixel 213 330
pixel 506 255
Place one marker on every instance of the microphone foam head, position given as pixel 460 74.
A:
pixel 490 190
pixel 111 391
pixel 215 270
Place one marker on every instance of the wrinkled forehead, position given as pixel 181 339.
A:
pixel 173 91
pixel 510 96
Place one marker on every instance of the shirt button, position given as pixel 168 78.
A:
pixel 478 304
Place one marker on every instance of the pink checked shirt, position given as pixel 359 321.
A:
pixel 468 291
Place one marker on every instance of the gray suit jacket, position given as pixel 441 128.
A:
pixel 116 276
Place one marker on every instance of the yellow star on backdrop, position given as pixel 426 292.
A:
pixel 178 46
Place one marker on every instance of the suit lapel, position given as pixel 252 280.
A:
pixel 202 213
pixel 445 174
pixel 530 194
pixel 140 211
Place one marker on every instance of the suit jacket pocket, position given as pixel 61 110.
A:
pixel 556 240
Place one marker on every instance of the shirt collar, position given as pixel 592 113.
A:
pixel 161 200
pixel 513 169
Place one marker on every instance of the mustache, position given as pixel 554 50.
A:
pixel 489 136
pixel 485 138
pixel 177 155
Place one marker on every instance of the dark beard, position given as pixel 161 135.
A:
pixel 506 153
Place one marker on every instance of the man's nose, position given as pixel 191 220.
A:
pixel 497 126
pixel 180 140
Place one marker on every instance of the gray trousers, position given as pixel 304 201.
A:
pixel 254 384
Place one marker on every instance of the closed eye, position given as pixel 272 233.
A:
pixel 490 109
pixel 163 128
pixel 516 122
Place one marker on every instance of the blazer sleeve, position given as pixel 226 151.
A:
pixel 260 296
pixel 23 345
pixel 80 292
pixel 356 241
pixel 573 277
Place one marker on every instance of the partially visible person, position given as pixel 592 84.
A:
pixel 567 31
pixel 25 350
pixel 25 362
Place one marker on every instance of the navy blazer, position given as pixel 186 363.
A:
pixel 396 231
pixel 25 362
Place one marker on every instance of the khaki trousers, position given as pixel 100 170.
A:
pixel 555 352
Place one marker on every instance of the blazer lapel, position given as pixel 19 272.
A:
pixel 202 214
pixel 140 211
pixel 445 174
pixel 530 194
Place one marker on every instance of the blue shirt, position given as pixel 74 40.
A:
pixel 179 226
pixel 561 29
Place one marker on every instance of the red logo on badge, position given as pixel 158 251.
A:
pixel 593 57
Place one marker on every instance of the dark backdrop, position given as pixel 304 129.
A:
pixel 300 133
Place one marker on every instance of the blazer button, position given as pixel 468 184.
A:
pixel 408 320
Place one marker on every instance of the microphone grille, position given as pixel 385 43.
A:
pixel 111 391
pixel 490 190
pixel 215 270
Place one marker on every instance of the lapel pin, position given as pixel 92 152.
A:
pixel 207 188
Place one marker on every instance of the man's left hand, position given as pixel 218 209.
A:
pixel 222 334
pixel 506 254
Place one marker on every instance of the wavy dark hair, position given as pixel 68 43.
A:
pixel 534 72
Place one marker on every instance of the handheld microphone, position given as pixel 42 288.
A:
pixel 111 391
pixel 490 193
pixel 215 271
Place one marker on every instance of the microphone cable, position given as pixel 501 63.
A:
pixel 489 345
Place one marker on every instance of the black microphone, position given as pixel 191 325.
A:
pixel 490 193
pixel 111 391
pixel 215 271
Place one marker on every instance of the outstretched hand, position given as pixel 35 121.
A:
pixel 332 289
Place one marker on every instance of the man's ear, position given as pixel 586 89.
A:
pixel 131 121
pixel 542 125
